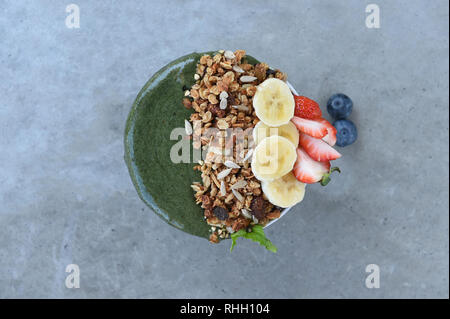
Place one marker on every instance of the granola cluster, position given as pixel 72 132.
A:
pixel 221 98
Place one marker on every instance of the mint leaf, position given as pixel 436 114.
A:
pixel 326 177
pixel 236 235
pixel 257 235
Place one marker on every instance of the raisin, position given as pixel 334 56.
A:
pixel 258 207
pixel 216 111
pixel 270 71
pixel 220 212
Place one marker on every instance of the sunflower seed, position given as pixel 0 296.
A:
pixel 187 127
pixel 239 184
pixel 240 107
pixel 223 95
pixel 237 195
pixel 224 173
pixel 229 54
pixel 196 76
pixel 230 229
pixel 238 69
pixel 247 78
pixel 223 190
pixel 223 104
pixel 231 164
pixel 248 156
pixel 187 92
pixel 246 213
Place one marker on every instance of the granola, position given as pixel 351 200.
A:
pixel 221 98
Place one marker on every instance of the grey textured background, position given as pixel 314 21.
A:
pixel 65 193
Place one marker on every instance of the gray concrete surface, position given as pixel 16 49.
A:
pixel 65 193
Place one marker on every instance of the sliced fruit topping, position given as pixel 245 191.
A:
pixel 273 102
pixel 306 108
pixel 330 138
pixel 273 157
pixel 285 191
pixel 339 106
pixel 310 127
pixel 307 170
pixel 346 132
pixel 317 149
pixel 289 131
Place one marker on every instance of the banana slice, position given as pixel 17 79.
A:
pixel 285 191
pixel 289 131
pixel 273 157
pixel 273 102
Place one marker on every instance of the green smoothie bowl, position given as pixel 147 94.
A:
pixel 204 196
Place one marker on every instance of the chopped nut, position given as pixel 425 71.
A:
pixel 239 54
pixel 251 90
pixel 204 59
pixel 280 75
pixel 274 215
pixel 206 201
pixel 260 71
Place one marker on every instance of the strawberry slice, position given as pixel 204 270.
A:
pixel 318 149
pixel 310 127
pixel 306 108
pixel 330 138
pixel 307 170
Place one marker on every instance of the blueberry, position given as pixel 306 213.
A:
pixel 346 132
pixel 339 106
